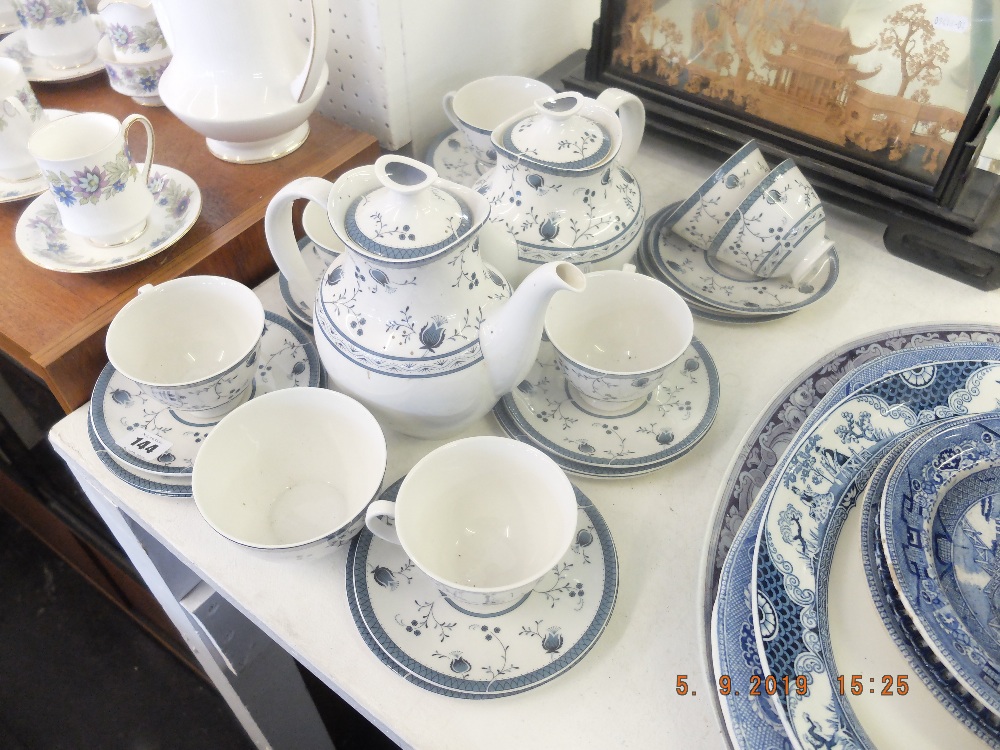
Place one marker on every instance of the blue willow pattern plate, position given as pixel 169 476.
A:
pixel 695 273
pixel 886 398
pixel 287 358
pixel 676 415
pixel 924 661
pixel 940 541
pixel 453 160
pixel 418 633
pixel 134 480
pixel 43 240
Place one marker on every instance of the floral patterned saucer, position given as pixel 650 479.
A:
pixel 317 259
pixel 169 487
pixel 451 156
pixel 417 632
pixel 287 359
pixel 15 191
pixel 673 419
pixel 43 240
pixel 37 69
pixel 695 273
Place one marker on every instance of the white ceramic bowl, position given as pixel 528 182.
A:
pixel 616 338
pixel 291 472
pixel 485 517
pixel 190 343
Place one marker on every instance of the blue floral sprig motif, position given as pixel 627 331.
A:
pixel 133 39
pixel 806 192
pixel 668 400
pixel 619 451
pixel 588 230
pixel 492 634
pixel 387 579
pixel 434 333
pixel 290 350
pixel 38 14
pixel 662 435
pixel 711 285
pixel 426 621
pixel 562 586
pixel 552 639
pixel 691 366
pixel 586 141
pixel 93 184
pixel 626 186
pixel 583 539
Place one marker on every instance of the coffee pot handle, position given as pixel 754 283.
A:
pixel 377 518
pixel 281 236
pixel 632 114
pixel 305 82
pixel 150 141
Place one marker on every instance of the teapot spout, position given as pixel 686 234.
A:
pixel 510 337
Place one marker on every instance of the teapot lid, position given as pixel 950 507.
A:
pixel 407 216
pixel 556 133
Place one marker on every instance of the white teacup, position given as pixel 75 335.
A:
pixel 699 218
pixel 61 32
pixel 480 106
pixel 190 343
pixel 291 472
pixel 16 127
pixel 485 517
pixel 99 190
pixel 616 338
pixel 778 229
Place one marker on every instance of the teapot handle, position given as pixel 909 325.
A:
pixel 633 119
pixel 281 237
pixel 305 82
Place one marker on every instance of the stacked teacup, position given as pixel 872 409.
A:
pixel 61 35
pixel 749 243
pixel 133 50
pixel 20 116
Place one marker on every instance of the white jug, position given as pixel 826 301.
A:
pixel 240 74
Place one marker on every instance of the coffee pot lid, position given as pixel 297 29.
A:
pixel 408 216
pixel 558 133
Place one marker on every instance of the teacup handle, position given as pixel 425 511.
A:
pixel 632 114
pixel 129 122
pixel 376 520
pixel 448 102
pixel 19 110
pixel 281 236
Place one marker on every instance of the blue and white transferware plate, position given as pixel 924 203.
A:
pixel 675 416
pixel 939 535
pixel 421 635
pixel 697 274
pixel 15 191
pixel 941 683
pixel 43 240
pixel 886 398
pixel 38 70
pixel 287 359
pixel 453 160
pixel 317 259
pixel 168 488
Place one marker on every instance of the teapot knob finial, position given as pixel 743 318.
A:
pixel 403 174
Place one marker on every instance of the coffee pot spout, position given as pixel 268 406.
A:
pixel 510 336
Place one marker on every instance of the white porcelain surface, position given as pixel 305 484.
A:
pixel 422 334
pixel 166 486
pixel 578 203
pixel 43 240
pixel 699 218
pixel 140 80
pixel 132 31
pixel 291 471
pixel 287 359
pixel 20 115
pixel 317 260
pixel 453 159
pixel 616 339
pixel 190 343
pixel 61 32
pixel 481 105
pixel 484 517
pixel 778 230
pixel 316 224
pixel 241 74
pixel 100 191
pixel 39 69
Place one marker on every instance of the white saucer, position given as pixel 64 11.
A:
pixel 37 69
pixel 167 487
pixel 15 191
pixel 453 160
pixel 287 359
pixel 41 238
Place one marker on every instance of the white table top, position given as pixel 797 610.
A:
pixel 623 693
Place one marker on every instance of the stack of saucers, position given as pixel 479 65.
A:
pixel 748 246
pixel 141 433
pixel 856 606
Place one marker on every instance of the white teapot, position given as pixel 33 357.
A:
pixel 561 185
pixel 410 319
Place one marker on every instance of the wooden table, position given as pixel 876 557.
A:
pixel 53 324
